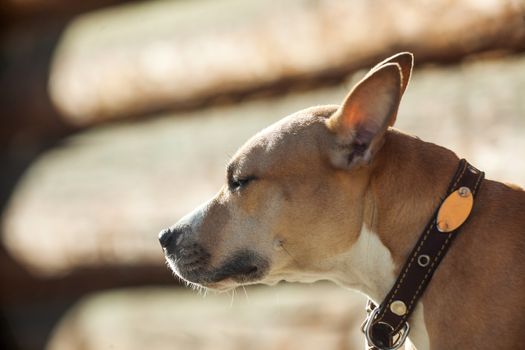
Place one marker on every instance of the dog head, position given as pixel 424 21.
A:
pixel 295 193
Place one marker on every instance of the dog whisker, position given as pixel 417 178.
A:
pixel 245 293
pixel 232 297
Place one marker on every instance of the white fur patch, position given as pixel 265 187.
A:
pixel 193 219
pixel 196 216
pixel 369 268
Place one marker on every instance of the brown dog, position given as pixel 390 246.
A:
pixel 334 193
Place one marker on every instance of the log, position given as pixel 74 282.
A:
pixel 29 32
pixel 176 55
pixel 321 316
pixel 27 11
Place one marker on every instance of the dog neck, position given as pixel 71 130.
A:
pixel 407 180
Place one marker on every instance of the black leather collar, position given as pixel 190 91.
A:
pixel 386 326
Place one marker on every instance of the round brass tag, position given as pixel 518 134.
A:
pixel 455 210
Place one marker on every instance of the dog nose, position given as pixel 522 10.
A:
pixel 169 235
pixel 165 237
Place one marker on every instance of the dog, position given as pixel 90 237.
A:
pixel 336 193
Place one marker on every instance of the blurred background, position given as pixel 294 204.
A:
pixel 117 117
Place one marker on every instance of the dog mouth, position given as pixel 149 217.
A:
pixel 241 268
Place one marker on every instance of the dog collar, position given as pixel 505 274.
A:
pixel 386 326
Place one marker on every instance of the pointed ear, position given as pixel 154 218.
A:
pixel 406 62
pixel 361 121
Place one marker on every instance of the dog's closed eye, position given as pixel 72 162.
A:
pixel 235 181
pixel 236 184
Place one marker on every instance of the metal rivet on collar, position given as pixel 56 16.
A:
pixel 443 226
pixel 464 191
pixel 423 260
pixel 398 307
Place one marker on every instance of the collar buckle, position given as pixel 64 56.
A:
pixel 398 338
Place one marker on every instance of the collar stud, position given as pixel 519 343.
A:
pixel 398 307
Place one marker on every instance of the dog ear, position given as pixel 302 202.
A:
pixel 406 62
pixel 361 121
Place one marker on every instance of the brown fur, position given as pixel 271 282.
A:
pixel 324 173
pixel 476 297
